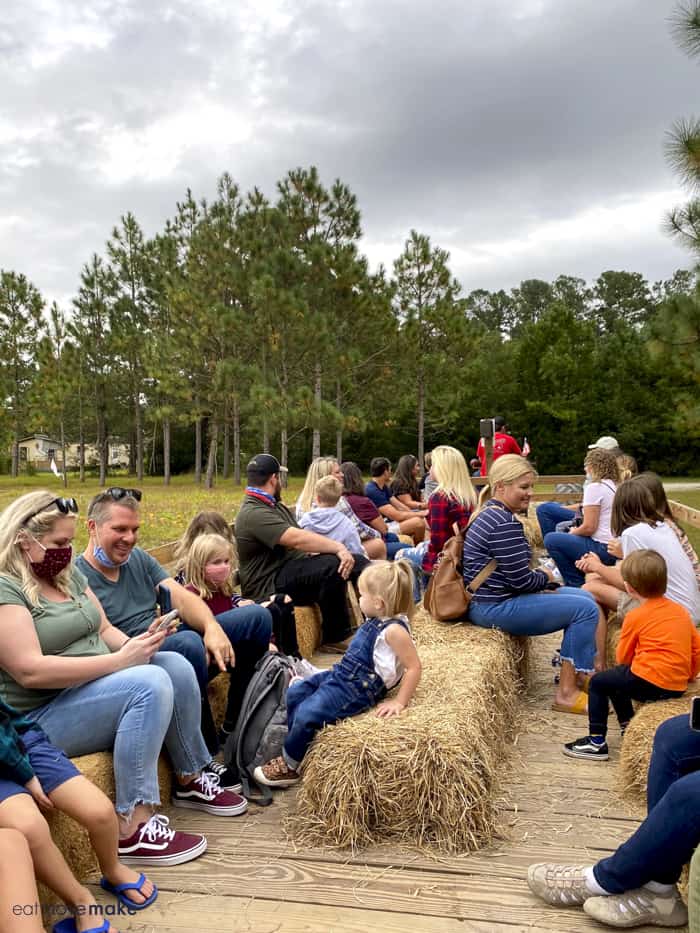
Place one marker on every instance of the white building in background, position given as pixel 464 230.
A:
pixel 39 449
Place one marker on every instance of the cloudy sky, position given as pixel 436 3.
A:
pixel 526 137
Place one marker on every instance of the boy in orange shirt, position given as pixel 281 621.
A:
pixel 658 653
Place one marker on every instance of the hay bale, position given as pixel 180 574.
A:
pixel 612 639
pixel 429 777
pixel 308 620
pixel 635 753
pixel 70 837
pixel 532 529
pixel 218 697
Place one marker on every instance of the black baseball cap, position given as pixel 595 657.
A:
pixel 262 467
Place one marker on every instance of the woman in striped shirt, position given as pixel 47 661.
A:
pixel 515 598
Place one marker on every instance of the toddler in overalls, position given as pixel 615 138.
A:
pixel 381 655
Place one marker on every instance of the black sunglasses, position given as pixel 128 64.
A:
pixel 118 492
pixel 63 505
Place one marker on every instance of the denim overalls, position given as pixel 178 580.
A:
pixel 348 688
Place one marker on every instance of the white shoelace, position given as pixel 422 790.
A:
pixel 157 828
pixel 209 782
pixel 216 767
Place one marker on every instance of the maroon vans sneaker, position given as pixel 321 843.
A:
pixel 154 843
pixel 205 793
pixel 228 776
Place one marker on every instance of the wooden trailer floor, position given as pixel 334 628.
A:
pixel 254 879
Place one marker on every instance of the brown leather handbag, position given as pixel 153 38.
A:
pixel 446 597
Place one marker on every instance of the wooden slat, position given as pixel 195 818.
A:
pixel 684 513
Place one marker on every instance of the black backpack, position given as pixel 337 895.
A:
pixel 262 724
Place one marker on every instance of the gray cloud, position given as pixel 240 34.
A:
pixel 525 137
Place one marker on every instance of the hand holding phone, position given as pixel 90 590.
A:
pixel 166 621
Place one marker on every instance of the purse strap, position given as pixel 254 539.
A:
pixel 482 576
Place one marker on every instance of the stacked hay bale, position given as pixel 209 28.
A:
pixel 532 529
pixel 639 738
pixel 429 777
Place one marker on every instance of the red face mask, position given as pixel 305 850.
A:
pixel 55 560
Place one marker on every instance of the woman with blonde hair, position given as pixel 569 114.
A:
pixel 92 688
pixel 515 598
pixel 593 534
pixel 328 466
pixel 452 503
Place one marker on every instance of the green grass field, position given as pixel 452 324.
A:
pixel 166 510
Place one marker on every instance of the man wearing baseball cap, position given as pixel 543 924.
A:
pixel 277 556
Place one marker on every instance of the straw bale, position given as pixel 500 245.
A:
pixel 218 697
pixel 429 777
pixel 635 753
pixel 70 837
pixel 531 527
pixel 308 619
pixel 612 639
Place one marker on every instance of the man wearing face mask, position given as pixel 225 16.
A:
pixel 277 556
pixel 126 580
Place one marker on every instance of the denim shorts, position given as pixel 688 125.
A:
pixel 51 766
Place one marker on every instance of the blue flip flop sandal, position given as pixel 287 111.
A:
pixel 68 926
pixel 118 891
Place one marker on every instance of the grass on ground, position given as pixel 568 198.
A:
pixel 166 510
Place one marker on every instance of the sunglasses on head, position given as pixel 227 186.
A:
pixel 63 505
pixel 119 492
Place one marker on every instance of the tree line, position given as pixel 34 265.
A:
pixel 252 324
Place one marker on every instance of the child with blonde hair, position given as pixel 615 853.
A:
pixel 380 656
pixel 325 519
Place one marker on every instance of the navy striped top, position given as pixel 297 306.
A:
pixel 497 533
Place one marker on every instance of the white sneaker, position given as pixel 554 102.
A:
pixel 638 907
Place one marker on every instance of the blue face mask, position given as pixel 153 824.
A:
pixel 101 555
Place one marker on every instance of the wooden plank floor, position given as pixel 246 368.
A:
pixel 255 879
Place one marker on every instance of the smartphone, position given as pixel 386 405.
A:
pixel 163 599
pixel 167 620
pixel 695 713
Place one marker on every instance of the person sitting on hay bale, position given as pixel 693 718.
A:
pixel 641 519
pixel 276 555
pixel 126 579
pixel 519 600
pixel 366 511
pixel 371 538
pixel 658 653
pixel 555 517
pixel 37 774
pixel 593 533
pixel 452 503
pixel 637 884
pixel 400 518
pixel 91 688
pixel 381 655
pixel 326 519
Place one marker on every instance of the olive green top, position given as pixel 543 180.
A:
pixel 67 628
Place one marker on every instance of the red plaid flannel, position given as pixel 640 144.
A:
pixel 443 513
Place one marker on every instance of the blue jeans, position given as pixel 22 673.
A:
pixel 249 629
pixel 393 545
pixel 549 514
pixel 415 555
pixel 574 611
pixel 321 700
pixel 566 549
pixel 668 836
pixel 131 713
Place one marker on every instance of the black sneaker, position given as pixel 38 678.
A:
pixel 587 748
pixel 228 777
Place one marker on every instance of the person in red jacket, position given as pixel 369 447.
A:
pixel 658 653
pixel 503 443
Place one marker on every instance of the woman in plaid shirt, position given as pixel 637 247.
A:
pixel 452 502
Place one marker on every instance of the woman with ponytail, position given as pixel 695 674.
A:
pixel 515 598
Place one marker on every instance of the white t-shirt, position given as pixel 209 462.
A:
pixel 682 586
pixel 385 660
pixel 602 495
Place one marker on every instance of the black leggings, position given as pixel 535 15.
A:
pixel 620 686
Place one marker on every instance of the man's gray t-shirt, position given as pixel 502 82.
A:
pixel 258 528
pixel 129 602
